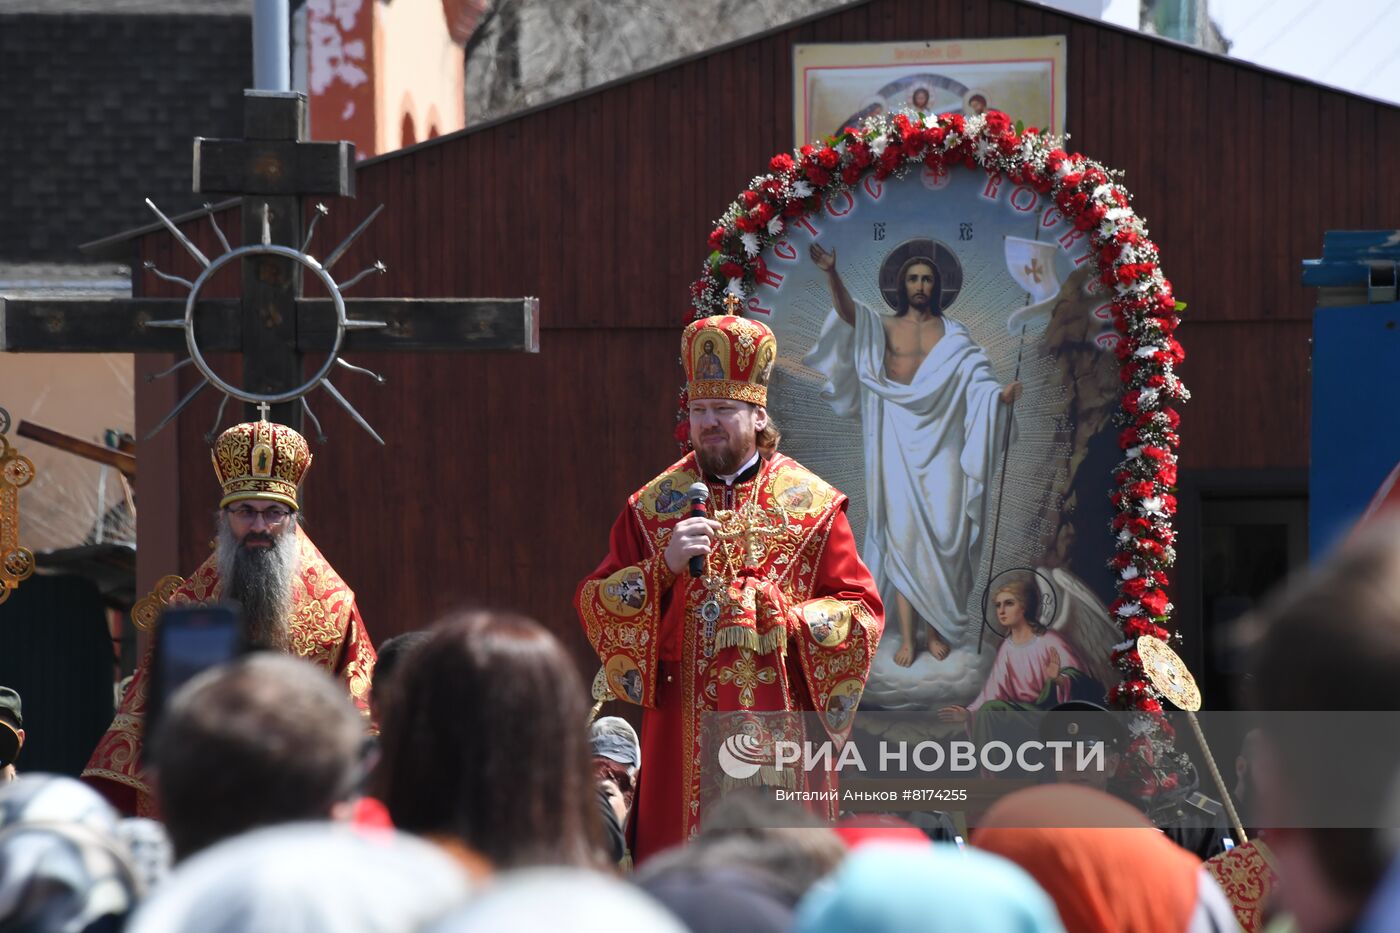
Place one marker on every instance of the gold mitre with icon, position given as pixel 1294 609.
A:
pixel 729 357
pixel 261 460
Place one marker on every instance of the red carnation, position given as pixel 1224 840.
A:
pixel 1154 601
pixel 818 176
pixel 1156 453
pixel 717 238
pixel 731 270
pixel 1140 490
pixel 1167 475
pixel 794 208
pixel 1135 587
pixel 997 122
pixel 781 164
pixel 682 432
pixel 806 150
pixel 746 223
pixel 750 199
pixel 1151 548
pixel 1129 438
pixel 851 174
pixel 828 158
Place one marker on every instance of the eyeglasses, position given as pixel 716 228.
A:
pixel 273 516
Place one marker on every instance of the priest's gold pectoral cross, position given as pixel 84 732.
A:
pixel 751 524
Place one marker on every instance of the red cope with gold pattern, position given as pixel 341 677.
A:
pixel 798 621
pixel 1247 874
pixel 325 628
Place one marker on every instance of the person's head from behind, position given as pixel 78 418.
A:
pixel 390 658
pixel 1328 641
pixel 63 862
pixel 266 739
pixel 617 757
pixel 11 732
pixel 781 849
pixel 485 744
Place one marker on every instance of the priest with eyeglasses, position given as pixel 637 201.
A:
pixel 291 598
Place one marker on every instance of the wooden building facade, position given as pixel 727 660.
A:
pixel 502 473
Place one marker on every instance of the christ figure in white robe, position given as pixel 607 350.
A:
pixel 933 421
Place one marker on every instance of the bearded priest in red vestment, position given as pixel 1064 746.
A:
pixel 785 616
pixel 291 598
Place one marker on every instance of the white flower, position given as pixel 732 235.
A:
pixel 735 287
pixel 1132 453
pixel 1147 397
pixel 879 144
pixel 1129 609
pixel 930 119
pixel 982 147
pixel 1154 506
pixel 1104 193
pixel 801 189
pixel 775 226
pixel 1147 350
pixel 750 241
pixel 1129 572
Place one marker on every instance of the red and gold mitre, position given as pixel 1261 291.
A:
pixel 730 357
pixel 260 460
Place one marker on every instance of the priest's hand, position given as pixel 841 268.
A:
pixel 1012 392
pixel 691 537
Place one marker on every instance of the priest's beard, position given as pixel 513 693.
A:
pixel 261 581
pixel 721 459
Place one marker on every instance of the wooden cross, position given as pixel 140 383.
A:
pixel 272 325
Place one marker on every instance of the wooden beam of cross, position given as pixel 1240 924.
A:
pixel 272 324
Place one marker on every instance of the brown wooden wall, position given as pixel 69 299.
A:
pixel 503 473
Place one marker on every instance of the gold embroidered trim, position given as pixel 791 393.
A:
pixel 738 391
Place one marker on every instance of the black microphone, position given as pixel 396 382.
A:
pixel 699 496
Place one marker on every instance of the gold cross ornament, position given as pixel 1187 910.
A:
pixel 16 472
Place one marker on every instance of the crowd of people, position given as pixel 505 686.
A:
pixel 452 780
pixel 486 803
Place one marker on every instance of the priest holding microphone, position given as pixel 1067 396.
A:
pixel 746 595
